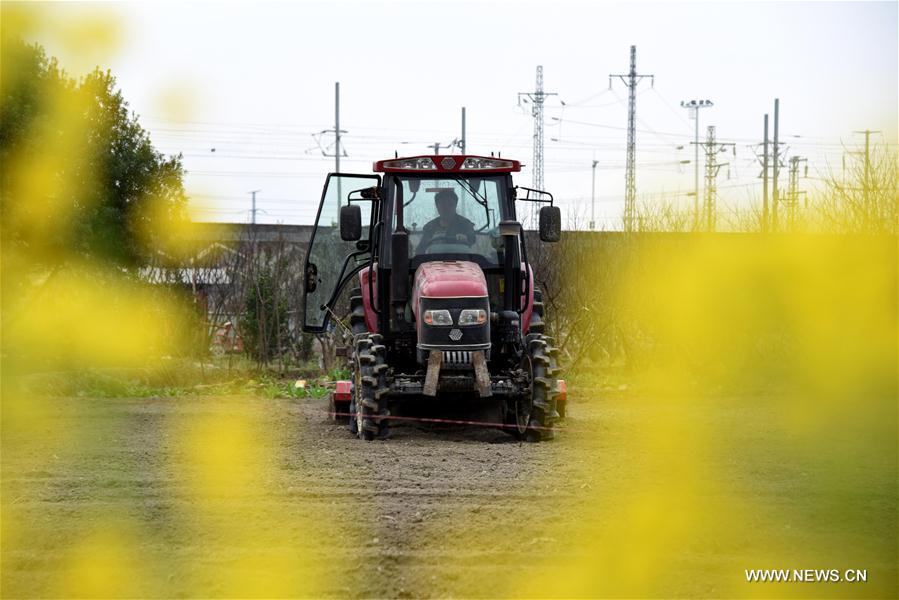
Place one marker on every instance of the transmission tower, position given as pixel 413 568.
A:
pixel 536 99
pixel 631 80
pixel 763 158
pixel 793 193
pixel 712 148
pixel 254 210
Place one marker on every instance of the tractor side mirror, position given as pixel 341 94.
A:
pixel 550 224
pixel 351 222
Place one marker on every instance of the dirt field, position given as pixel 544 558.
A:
pixel 390 500
pixel 106 497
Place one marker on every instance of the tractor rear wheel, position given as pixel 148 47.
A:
pixel 542 357
pixel 357 328
pixel 357 312
pixel 538 314
pixel 370 386
pixel 351 424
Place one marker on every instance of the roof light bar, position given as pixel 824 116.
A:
pixel 416 163
pixel 476 163
pixel 448 164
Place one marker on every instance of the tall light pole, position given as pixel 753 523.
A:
pixel 593 198
pixel 693 107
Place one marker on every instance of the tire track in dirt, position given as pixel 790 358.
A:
pixel 417 495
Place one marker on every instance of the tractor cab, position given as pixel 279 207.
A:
pixel 442 297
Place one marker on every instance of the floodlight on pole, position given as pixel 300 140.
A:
pixel 693 107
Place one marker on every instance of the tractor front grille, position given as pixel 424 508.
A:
pixel 457 359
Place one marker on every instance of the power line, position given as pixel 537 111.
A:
pixel 619 128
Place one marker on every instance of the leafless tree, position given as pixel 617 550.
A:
pixel 863 197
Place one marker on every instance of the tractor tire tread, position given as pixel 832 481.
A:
pixel 543 389
pixel 372 391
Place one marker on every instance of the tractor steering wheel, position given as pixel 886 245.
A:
pixel 446 239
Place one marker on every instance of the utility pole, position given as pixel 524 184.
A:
pixel 337 126
pixel 693 107
pixel 337 143
pixel 593 198
pixel 631 80
pixel 765 178
pixel 775 167
pixel 253 210
pixel 462 143
pixel 537 98
pixel 712 167
pixel 794 192
pixel 338 147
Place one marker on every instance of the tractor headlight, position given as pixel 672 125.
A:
pixel 438 317
pixel 473 317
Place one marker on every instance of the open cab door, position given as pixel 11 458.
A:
pixel 330 259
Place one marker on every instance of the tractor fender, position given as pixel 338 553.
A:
pixel 371 319
pixel 528 302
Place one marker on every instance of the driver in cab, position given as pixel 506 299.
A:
pixel 448 227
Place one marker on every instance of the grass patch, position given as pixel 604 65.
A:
pixel 178 378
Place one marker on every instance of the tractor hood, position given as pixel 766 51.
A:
pixel 448 279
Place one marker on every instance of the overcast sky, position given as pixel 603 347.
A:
pixel 255 81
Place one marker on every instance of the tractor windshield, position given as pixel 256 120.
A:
pixel 453 216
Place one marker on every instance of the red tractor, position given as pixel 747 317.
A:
pixel 442 302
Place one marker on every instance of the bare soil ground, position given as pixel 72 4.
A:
pixel 435 511
pixel 389 506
